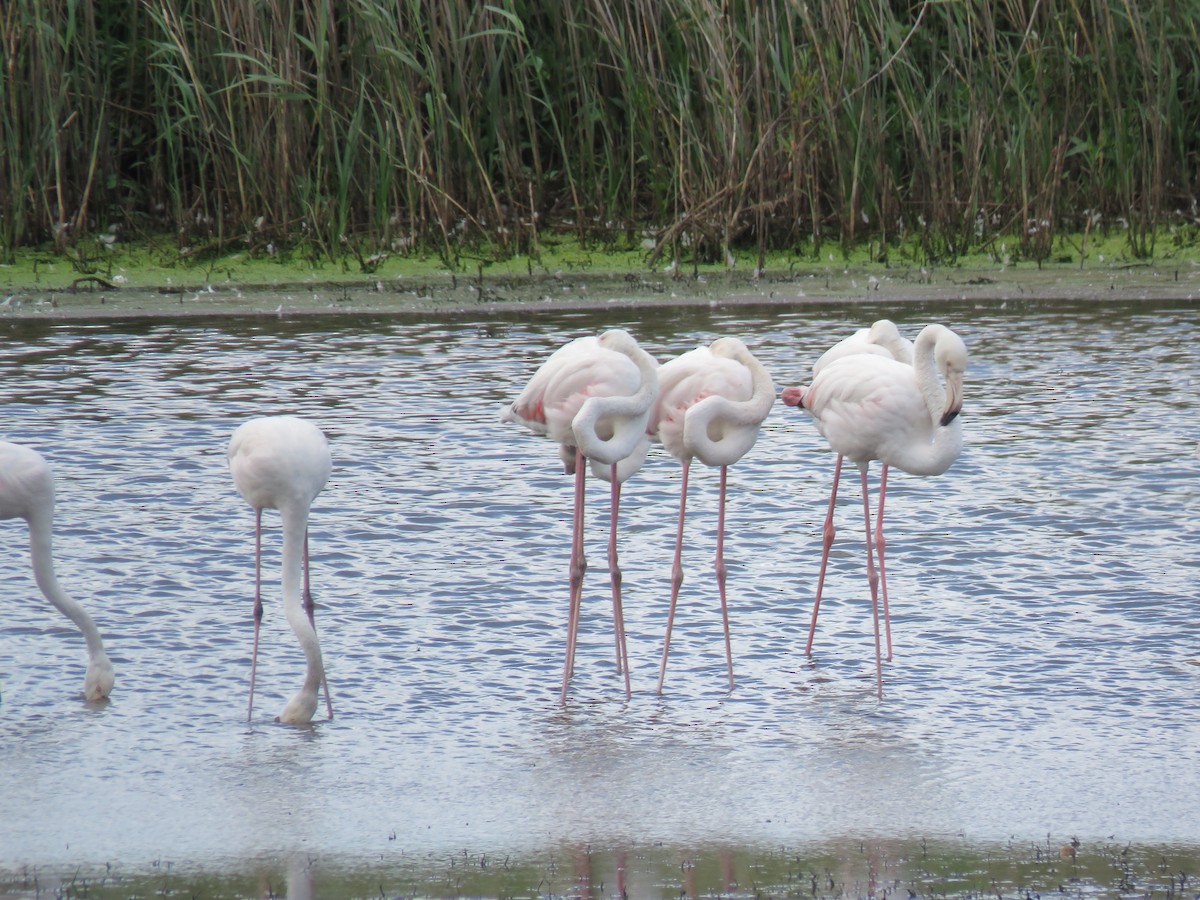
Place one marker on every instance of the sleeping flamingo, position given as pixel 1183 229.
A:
pixel 593 397
pixel 873 407
pixel 710 405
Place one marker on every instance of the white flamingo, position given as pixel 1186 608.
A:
pixel 27 492
pixel 593 396
pixel 874 407
pixel 882 338
pixel 711 403
pixel 283 462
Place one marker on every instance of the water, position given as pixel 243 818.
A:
pixel 1044 596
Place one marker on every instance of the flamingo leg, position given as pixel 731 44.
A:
pixel 615 575
pixel 578 567
pixel 880 543
pixel 827 542
pixel 258 606
pixel 721 571
pixel 310 608
pixel 873 580
pixel 676 575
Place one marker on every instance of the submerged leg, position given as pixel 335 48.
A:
pixel 258 607
pixel 577 568
pixel 827 542
pixel 614 571
pixel 879 546
pixel 676 576
pixel 720 567
pixel 310 608
pixel 873 580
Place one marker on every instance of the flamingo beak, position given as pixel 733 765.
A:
pixel 953 401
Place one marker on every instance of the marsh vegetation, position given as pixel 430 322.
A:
pixel 684 128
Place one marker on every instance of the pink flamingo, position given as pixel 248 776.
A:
pixel 711 403
pixel 283 462
pixel 593 397
pixel 27 492
pixel 874 407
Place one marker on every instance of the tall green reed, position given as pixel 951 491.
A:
pixel 713 128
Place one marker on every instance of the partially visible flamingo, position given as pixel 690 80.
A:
pixel 872 407
pixel 883 338
pixel 711 403
pixel 283 462
pixel 27 492
pixel 593 397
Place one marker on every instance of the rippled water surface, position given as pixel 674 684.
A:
pixel 1045 596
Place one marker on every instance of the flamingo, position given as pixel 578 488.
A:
pixel 872 407
pixel 883 338
pixel 27 492
pixel 283 462
pixel 593 397
pixel 710 405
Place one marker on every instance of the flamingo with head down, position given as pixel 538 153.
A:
pixel 27 492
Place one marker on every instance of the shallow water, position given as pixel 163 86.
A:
pixel 1044 598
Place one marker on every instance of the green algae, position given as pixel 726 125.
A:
pixel 1062 867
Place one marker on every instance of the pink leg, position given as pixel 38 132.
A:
pixel 720 567
pixel 615 574
pixel 258 607
pixel 310 607
pixel 578 567
pixel 873 580
pixel 879 546
pixel 676 576
pixel 827 541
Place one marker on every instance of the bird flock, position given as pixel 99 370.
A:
pixel 604 400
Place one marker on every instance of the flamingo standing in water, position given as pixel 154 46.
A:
pixel 711 403
pixel 883 338
pixel 27 492
pixel 283 462
pixel 593 397
pixel 874 407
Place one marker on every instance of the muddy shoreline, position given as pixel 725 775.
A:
pixel 94 298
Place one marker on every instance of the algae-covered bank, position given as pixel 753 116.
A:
pixel 135 283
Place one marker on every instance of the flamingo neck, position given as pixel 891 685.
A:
pixel 295 527
pixel 41 554
pixel 719 431
pixel 943 443
pixel 609 429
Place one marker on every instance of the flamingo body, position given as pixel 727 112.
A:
pixel 27 492
pixel 283 463
pixel 592 394
pixel 872 407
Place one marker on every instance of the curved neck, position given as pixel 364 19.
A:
pixel 41 554
pixel 720 431
pixel 609 429
pixel 944 441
